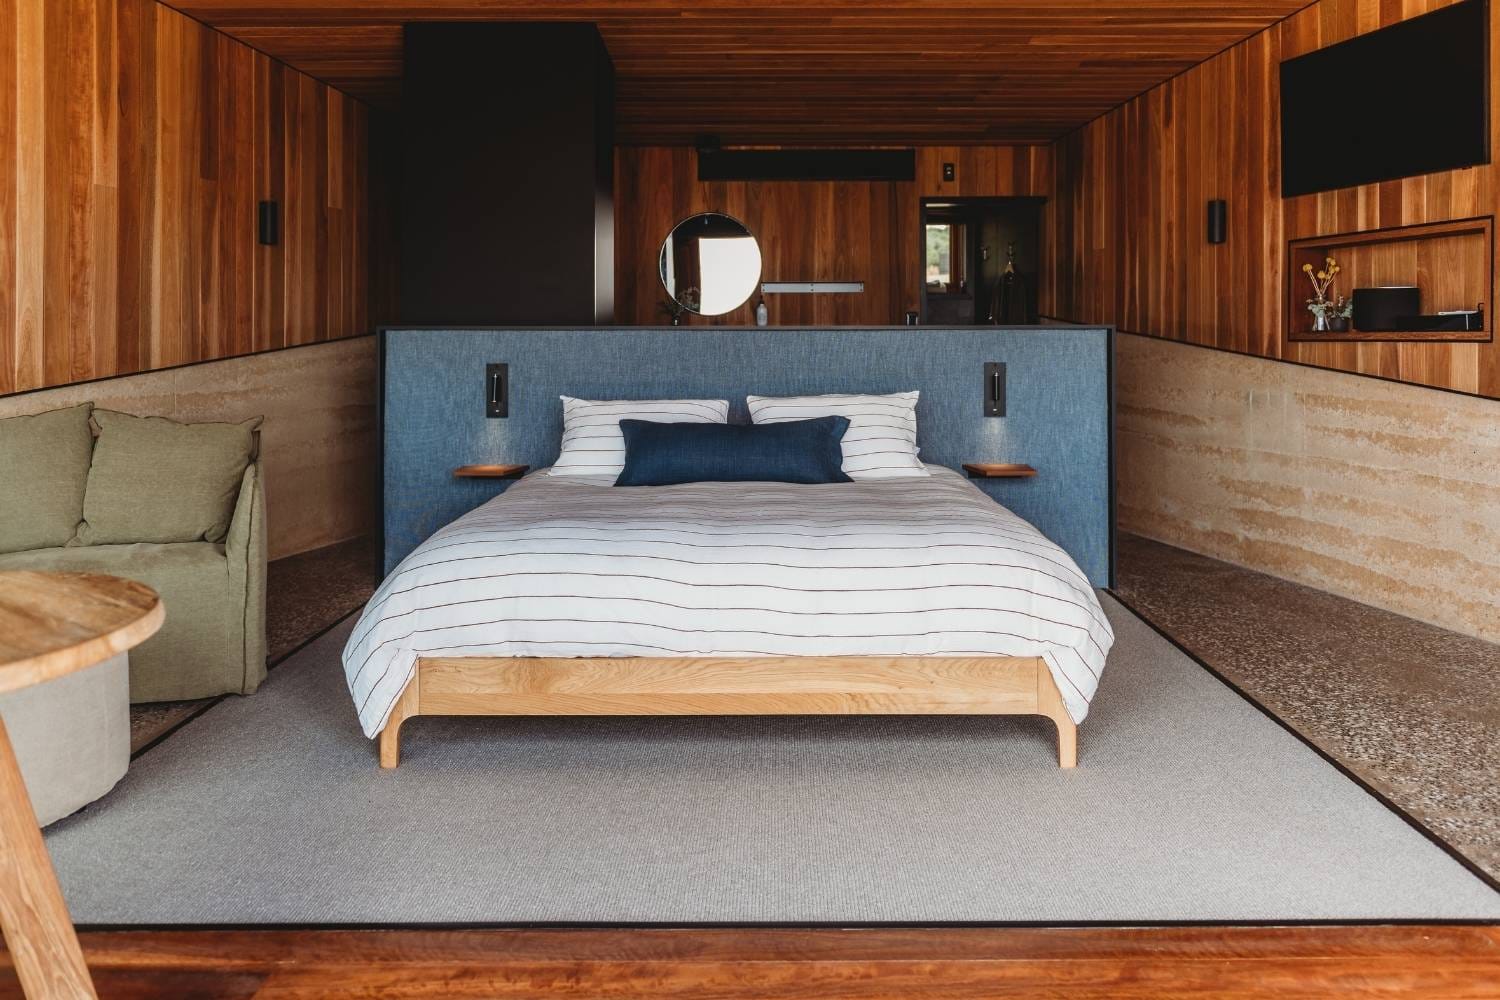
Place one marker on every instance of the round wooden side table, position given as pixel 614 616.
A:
pixel 51 625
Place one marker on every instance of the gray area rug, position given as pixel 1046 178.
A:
pixel 1188 804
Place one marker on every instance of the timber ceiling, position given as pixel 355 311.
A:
pixel 836 72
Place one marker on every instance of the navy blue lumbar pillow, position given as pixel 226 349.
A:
pixel 799 451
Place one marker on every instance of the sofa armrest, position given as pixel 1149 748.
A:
pixel 245 550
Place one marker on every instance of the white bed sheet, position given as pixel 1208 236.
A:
pixel 573 566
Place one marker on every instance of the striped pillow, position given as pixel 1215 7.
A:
pixel 881 442
pixel 592 444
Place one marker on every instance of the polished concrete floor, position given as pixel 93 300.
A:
pixel 1412 709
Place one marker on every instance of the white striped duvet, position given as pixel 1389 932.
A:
pixel 572 566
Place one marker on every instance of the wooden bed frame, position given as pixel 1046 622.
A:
pixel 793 685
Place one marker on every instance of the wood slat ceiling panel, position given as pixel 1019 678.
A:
pixel 782 71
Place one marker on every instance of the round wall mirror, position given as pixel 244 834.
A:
pixel 710 264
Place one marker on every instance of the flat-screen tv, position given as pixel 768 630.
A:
pixel 1405 100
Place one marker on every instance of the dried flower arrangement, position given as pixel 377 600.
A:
pixel 1321 305
pixel 1322 280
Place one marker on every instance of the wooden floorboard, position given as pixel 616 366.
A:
pixel 1448 962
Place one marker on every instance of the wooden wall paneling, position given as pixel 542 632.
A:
pixel 270 185
pixel 103 324
pixel 312 193
pixel 248 131
pixel 106 222
pixel 1130 191
pixel 784 220
pixel 10 147
pixel 216 208
pixel 234 233
pixel 135 190
pixel 299 227
pixel 905 227
pixel 349 194
pixel 80 77
pixel 337 225
pixel 28 57
pixel 53 190
pixel 134 145
pixel 823 230
pixel 174 295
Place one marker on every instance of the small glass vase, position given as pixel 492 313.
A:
pixel 1320 322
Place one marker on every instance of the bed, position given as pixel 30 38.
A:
pixel 568 596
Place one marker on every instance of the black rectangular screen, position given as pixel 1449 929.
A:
pixel 1405 100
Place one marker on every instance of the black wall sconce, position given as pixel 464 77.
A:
pixel 1218 220
pixel 497 391
pixel 949 173
pixel 994 388
pixel 270 223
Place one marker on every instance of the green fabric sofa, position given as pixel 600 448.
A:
pixel 179 507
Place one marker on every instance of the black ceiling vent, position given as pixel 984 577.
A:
pixel 807 165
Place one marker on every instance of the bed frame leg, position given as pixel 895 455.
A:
pixel 390 745
pixel 1049 703
pixel 1067 742
pixel 390 736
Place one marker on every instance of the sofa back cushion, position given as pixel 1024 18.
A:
pixel 156 480
pixel 44 464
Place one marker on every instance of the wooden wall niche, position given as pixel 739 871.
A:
pixel 1452 263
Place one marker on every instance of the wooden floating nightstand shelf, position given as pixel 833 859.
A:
pixel 490 471
pixel 998 470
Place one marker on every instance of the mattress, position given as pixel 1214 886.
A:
pixel 573 566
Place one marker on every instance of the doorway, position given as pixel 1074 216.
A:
pixel 980 261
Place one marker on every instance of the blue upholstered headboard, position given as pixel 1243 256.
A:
pixel 1058 411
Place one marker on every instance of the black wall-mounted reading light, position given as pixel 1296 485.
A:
pixel 270 223
pixel 1218 221
pixel 994 388
pixel 497 391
